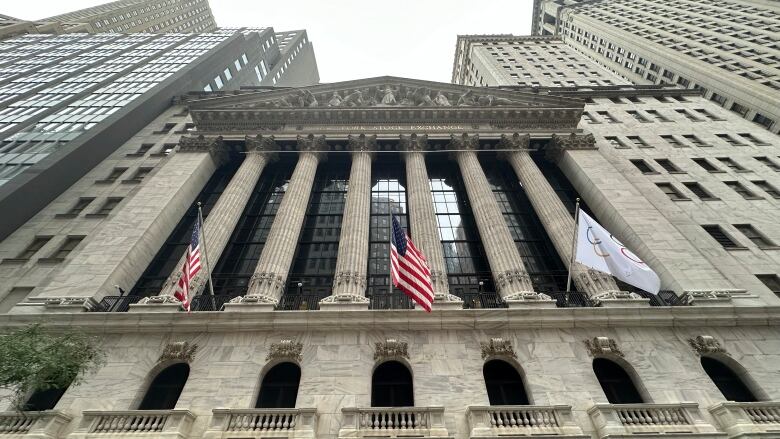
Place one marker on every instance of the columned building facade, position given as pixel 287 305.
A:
pixel 305 336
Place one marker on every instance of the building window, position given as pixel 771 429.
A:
pixel 80 205
pixel 658 116
pixel 228 75
pixel 768 188
pixel 279 389
pixel 67 246
pixel 139 175
pixel 636 115
pixel 767 161
pixel 698 190
pixel 608 117
pixel 207 88
pixel 166 388
pixel 391 386
pixel 671 192
pixel 728 382
pixel 718 234
pixel 113 176
pixel 731 164
pixel 763 121
pixel 772 281
pixel 706 165
pixel 730 140
pixel 671 140
pixel 753 139
pixel 638 141
pixel 37 243
pixel 742 190
pixel 614 141
pixel 165 129
pixel 687 115
pixel 588 118
pixel 669 166
pixel 143 149
pixel 108 206
pixel 739 109
pixel 504 384
pixel 44 399
pixel 643 166
pixel 755 236
pixel 218 82
pixel 696 141
pixel 237 64
pixel 707 114
pixel 618 386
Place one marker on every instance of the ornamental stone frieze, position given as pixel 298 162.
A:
pixel 573 142
pixel 262 144
pixel 603 346
pixel 178 351
pixel 212 144
pixel 497 347
pixel 391 348
pixel 286 349
pixel 706 344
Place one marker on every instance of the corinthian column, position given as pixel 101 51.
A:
pixel 422 217
pixel 511 277
pixel 267 282
pixel 349 282
pixel 553 214
pixel 224 216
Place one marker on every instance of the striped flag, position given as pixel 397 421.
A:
pixel 409 269
pixel 191 267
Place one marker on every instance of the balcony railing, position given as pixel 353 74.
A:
pixel 571 299
pixel 207 302
pixel 116 303
pixel 522 420
pixel 627 419
pixel 483 299
pixel 300 302
pixel 394 300
pixel 664 298
pixel 47 423
pixel 134 423
pixel 393 422
pixel 252 423
pixel 743 418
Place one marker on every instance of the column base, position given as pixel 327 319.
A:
pixel 529 299
pixel 621 299
pixel 251 304
pixel 443 301
pixel 156 304
pixel 344 302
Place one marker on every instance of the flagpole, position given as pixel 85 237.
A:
pixel 205 255
pixel 573 243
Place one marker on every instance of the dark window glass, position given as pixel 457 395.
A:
pixel 391 386
pixel 67 246
pixel 44 399
pixel 617 385
pixel 80 205
pixel 279 388
pixel 731 163
pixel 504 385
pixel 754 235
pixel 698 190
pixel 768 188
pixel 109 205
pixel 37 243
pixel 772 281
pixel 741 189
pixel 767 161
pixel 667 165
pixel 643 166
pixel 705 164
pixel 729 384
pixel 671 191
pixel 720 235
pixel 166 388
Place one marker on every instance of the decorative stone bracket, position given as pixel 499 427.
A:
pixel 180 350
pixel 391 348
pixel 603 346
pixel 497 347
pixel 285 349
pixel 705 344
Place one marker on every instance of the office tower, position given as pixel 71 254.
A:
pixel 305 337
pixel 68 101
pixel 728 50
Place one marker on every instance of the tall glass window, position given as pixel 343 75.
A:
pixel 312 271
pixel 388 194
pixel 167 258
pixel 235 267
pixel 541 260
pixel 464 256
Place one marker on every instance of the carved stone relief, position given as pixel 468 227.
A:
pixel 497 347
pixel 391 348
pixel 705 344
pixel 603 346
pixel 180 350
pixel 285 349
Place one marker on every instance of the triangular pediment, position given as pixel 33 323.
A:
pixel 385 103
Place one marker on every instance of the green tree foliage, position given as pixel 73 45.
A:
pixel 35 359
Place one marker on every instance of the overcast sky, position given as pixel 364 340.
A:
pixel 355 38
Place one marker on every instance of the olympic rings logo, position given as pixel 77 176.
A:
pixel 595 242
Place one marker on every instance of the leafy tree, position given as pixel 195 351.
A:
pixel 33 359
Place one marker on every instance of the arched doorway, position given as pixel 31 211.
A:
pixel 616 383
pixel 728 382
pixel 391 386
pixel 166 387
pixel 504 384
pixel 279 388
pixel 44 399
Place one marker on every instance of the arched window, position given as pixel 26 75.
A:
pixel 391 386
pixel 279 388
pixel 44 399
pixel 504 385
pixel 166 388
pixel 729 384
pixel 615 382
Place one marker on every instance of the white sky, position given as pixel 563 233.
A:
pixel 356 38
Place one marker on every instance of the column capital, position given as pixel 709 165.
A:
pixel 265 284
pixel 313 144
pixel 414 143
pixel 573 142
pixel 212 144
pixel 464 141
pixel 362 143
pixel 515 142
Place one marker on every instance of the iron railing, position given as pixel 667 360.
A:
pixel 300 301
pixel 394 300
pixel 483 299
pixel 664 298
pixel 207 302
pixel 116 303
pixel 571 299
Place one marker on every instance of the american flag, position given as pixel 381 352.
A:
pixel 409 269
pixel 191 267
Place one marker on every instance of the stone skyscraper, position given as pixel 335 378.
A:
pixel 728 50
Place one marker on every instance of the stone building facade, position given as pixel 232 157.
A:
pixel 725 49
pixel 297 186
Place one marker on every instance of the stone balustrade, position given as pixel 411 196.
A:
pixel 268 423
pixel 393 422
pixel 741 419
pixel 160 424
pixel 522 420
pixel 44 424
pixel 627 419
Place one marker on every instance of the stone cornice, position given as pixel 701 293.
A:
pixel 691 317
